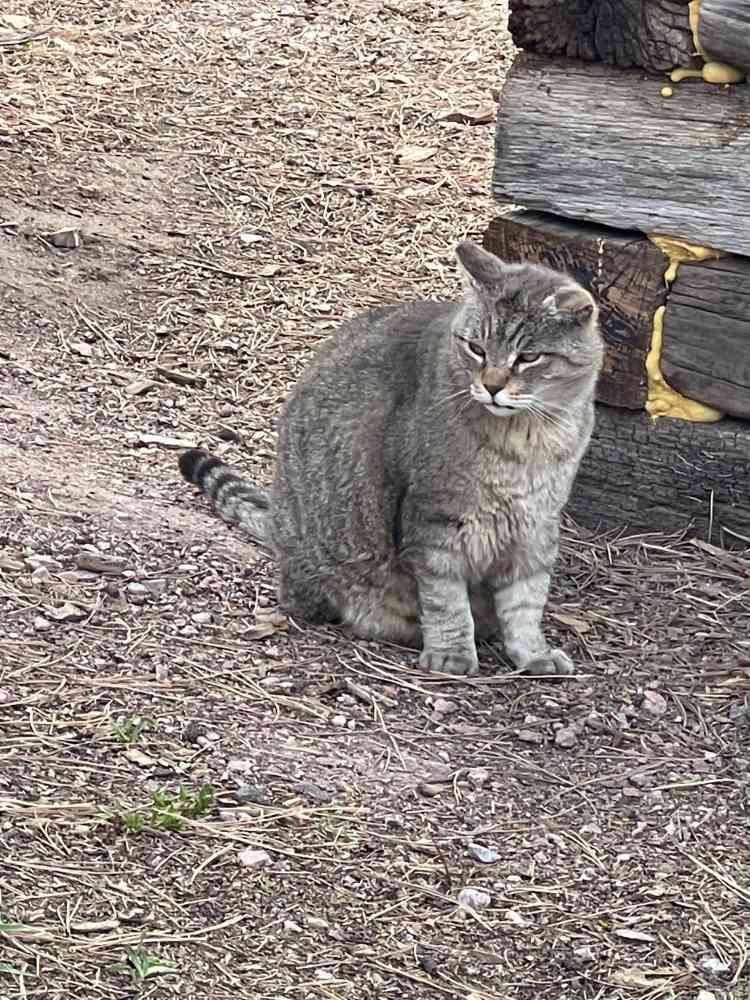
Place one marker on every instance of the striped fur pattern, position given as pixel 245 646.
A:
pixel 424 459
pixel 236 500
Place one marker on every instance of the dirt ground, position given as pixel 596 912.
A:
pixel 196 796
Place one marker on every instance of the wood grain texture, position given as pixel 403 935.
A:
pixel 706 344
pixel 665 475
pixel 724 30
pixel 623 271
pixel 654 34
pixel 584 142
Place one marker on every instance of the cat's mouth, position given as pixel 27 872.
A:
pixel 498 410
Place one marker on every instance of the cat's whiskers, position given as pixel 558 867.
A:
pixel 557 421
pixel 465 404
pixel 453 395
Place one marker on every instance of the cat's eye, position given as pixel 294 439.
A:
pixel 475 348
pixel 528 358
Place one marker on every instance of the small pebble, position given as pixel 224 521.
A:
pixel 443 706
pixel 478 776
pixel 429 790
pixel 339 721
pixel 713 965
pixel 739 713
pixel 666 91
pixel 591 830
pixel 566 737
pixel 474 899
pixel 487 855
pixel 202 618
pixel 654 704
pixel 313 792
pixel 437 771
pixel 584 955
pixel 137 589
pixel 530 736
pixel 252 858
pixel 252 793
pixel 41 624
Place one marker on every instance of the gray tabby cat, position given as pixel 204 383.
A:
pixel 423 462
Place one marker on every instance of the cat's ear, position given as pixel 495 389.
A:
pixel 478 268
pixel 571 300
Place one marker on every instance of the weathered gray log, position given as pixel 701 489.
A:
pixel 666 475
pixel 654 34
pixel 624 273
pixel 724 31
pixel 581 141
pixel 706 342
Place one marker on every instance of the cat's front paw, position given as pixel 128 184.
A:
pixel 554 663
pixel 461 664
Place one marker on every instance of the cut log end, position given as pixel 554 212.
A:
pixel 655 36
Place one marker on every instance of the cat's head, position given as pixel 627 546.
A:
pixel 526 336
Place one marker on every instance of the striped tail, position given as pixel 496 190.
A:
pixel 235 500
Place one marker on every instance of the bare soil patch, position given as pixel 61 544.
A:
pixel 196 796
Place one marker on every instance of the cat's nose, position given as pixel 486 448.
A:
pixel 495 379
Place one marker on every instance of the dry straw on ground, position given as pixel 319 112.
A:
pixel 192 196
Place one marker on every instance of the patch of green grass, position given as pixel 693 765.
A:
pixel 167 811
pixel 130 730
pixel 11 970
pixel 132 822
pixel 141 966
pixel 191 805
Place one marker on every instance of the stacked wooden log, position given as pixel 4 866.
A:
pixel 623 143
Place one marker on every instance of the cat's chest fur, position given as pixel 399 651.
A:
pixel 506 517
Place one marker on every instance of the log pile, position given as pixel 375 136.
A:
pixel 623 148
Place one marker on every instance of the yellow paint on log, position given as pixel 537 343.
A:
pixel 712 71
pixel 663 400
pixel 719 72
pixel 694 13
pixel 678 75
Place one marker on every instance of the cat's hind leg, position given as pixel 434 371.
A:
pixel 304 593
pixel 384 609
